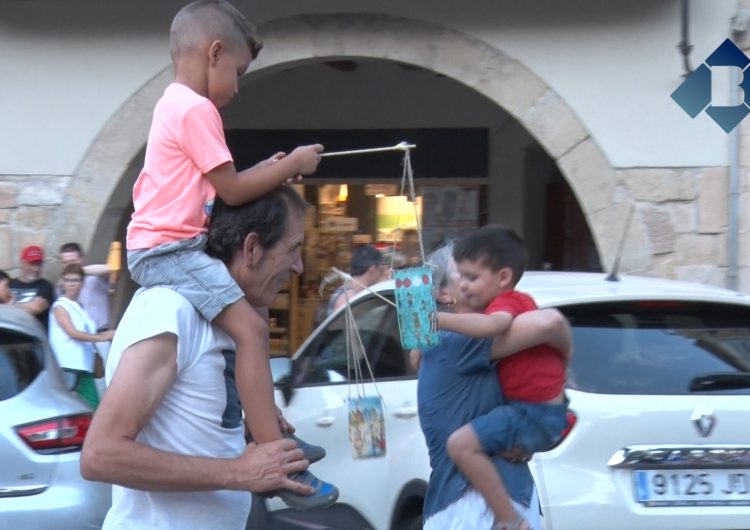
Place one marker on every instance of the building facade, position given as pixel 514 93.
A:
pixel 582 149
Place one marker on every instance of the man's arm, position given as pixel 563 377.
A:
pixel 541 326
pixel 111 453
pixel 36 306
pixel 236 188
pixel 476 325
pixel 96 269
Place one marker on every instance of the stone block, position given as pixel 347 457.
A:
pixel 7 255
pixel 683 216
pixel 554 124
pixel 43 191
pixel 590 176
pixel 608 229
pixel 660 185
pixel 659 228
pixel 31 217
pixel 698 249
pixel 662 266
pixel 513 87
pixel 8 195
pixel 713 203
pixel 706 274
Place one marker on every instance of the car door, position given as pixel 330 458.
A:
pixel 321 387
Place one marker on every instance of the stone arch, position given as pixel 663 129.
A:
pixel 464 58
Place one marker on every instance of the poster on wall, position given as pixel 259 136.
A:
pixel 449 211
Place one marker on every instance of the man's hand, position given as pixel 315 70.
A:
pixel 267 466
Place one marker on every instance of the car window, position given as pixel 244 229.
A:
pixel 325 359
pixel 656 347
pixel 20 363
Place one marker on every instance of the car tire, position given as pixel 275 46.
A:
pixel 412 522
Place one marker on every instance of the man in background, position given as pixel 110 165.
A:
pixel 33 293
pixel 94 297
pixel 366 269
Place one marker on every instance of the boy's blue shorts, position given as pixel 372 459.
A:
pixel 535 427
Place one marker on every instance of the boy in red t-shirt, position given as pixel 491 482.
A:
pixel 491 260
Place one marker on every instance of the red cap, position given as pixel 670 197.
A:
pixel 32 254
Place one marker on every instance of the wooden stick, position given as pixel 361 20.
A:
pixel 403 146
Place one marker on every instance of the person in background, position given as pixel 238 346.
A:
pixel 33 293
pixel 366 268
pixel 6 295
pixel 94 296
pixel 410 250
pixel 72 334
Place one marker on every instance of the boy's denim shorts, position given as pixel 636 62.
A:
pixel 534 427
pixel 184 266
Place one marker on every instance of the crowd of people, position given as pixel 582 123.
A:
pixel 75 312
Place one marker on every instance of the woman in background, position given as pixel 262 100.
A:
pixel 72 334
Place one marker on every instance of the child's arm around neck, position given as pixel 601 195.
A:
pixel 476 325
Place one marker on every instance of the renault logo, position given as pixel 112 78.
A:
pixel 704 420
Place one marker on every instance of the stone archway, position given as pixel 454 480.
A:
pixel 467 60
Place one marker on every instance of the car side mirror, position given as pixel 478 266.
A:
pixel 281 372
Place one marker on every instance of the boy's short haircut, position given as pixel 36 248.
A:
pixel 495 246
pixel 209 20
pixel 364 257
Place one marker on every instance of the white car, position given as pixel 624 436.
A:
pixel 42 427
pixel 659 387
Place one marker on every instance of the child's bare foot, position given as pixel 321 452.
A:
pixel 519 523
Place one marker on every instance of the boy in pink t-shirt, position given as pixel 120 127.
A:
pixel 187 163
pixel 491 261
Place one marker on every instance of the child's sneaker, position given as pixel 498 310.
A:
pixel 324 496
pixel 313 453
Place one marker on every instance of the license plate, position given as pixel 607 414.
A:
pixel 692 487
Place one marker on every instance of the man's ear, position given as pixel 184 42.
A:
pixel 252 252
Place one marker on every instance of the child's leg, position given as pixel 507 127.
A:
pixel 467 453
pixel 252 375
pixel 252 372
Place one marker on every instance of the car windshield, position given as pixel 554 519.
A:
pixel 330 358
pixel 663 348
pixel 20 363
